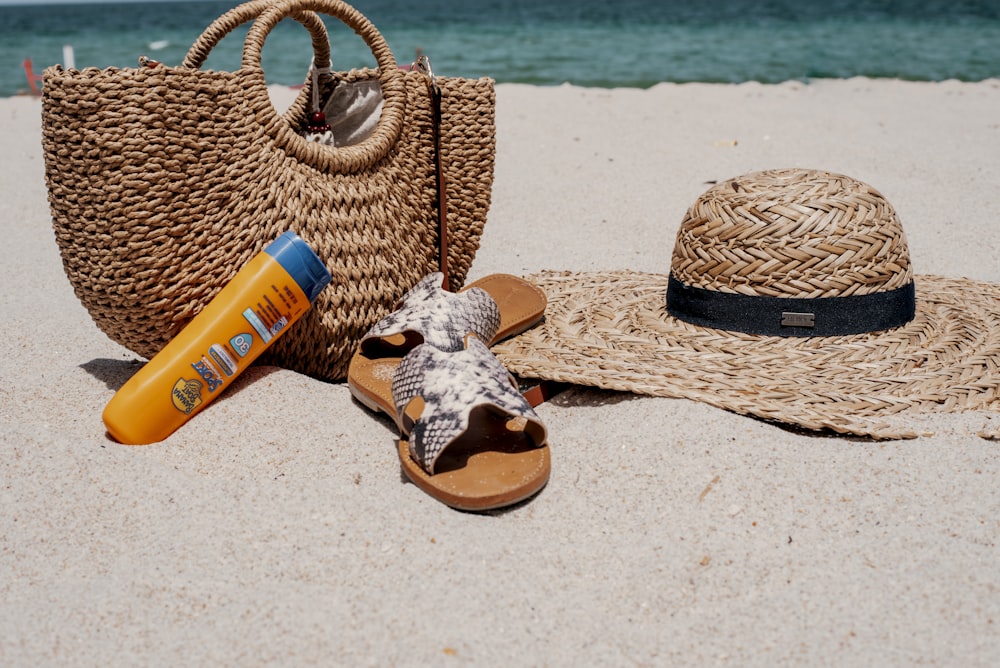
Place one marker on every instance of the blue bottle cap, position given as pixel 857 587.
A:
pixel 301 263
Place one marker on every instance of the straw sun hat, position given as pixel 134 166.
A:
pixel 790 298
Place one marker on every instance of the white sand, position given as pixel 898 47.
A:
pixel 275 527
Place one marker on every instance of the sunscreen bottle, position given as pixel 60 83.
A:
pixel 269 294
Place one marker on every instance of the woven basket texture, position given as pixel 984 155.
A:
pixel 163 182
pixel 612 330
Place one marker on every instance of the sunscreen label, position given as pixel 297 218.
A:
pixel 278 326
pixel 208 373
pixel 186 395
pixel 258 325
pixel 241 344
pixel 267 317
pixel 222 359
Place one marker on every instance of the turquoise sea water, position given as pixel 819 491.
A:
pixel 604 43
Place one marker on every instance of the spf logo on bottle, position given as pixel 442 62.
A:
pixel 186 395
pixel 241 344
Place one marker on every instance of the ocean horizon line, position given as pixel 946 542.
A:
pixel 632 44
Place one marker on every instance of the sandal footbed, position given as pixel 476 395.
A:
pixel 488 467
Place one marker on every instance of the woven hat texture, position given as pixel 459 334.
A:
pixel 786 234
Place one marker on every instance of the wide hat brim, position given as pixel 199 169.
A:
pixel 612 330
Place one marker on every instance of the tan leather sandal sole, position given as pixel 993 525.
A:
pixel 468 437
pixel 492 469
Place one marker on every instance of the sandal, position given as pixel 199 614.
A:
pixel 468 437
pixel 493 308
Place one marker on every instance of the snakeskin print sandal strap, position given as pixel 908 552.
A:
pixel 492 308
pixel 430 314
pixel 469 438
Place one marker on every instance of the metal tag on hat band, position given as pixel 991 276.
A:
pixel 789 319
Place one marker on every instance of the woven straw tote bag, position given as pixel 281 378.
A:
pixel 164 181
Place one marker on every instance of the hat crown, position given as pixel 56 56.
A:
pixel 792 233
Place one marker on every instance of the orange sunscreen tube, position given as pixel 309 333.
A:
pixel 269 294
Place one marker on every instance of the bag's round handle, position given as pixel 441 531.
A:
pixel 248 11
pixel 341 159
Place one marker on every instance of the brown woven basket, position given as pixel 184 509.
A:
pixel 164 181
pixel 795 236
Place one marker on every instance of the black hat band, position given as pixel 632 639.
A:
pixel 791 316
